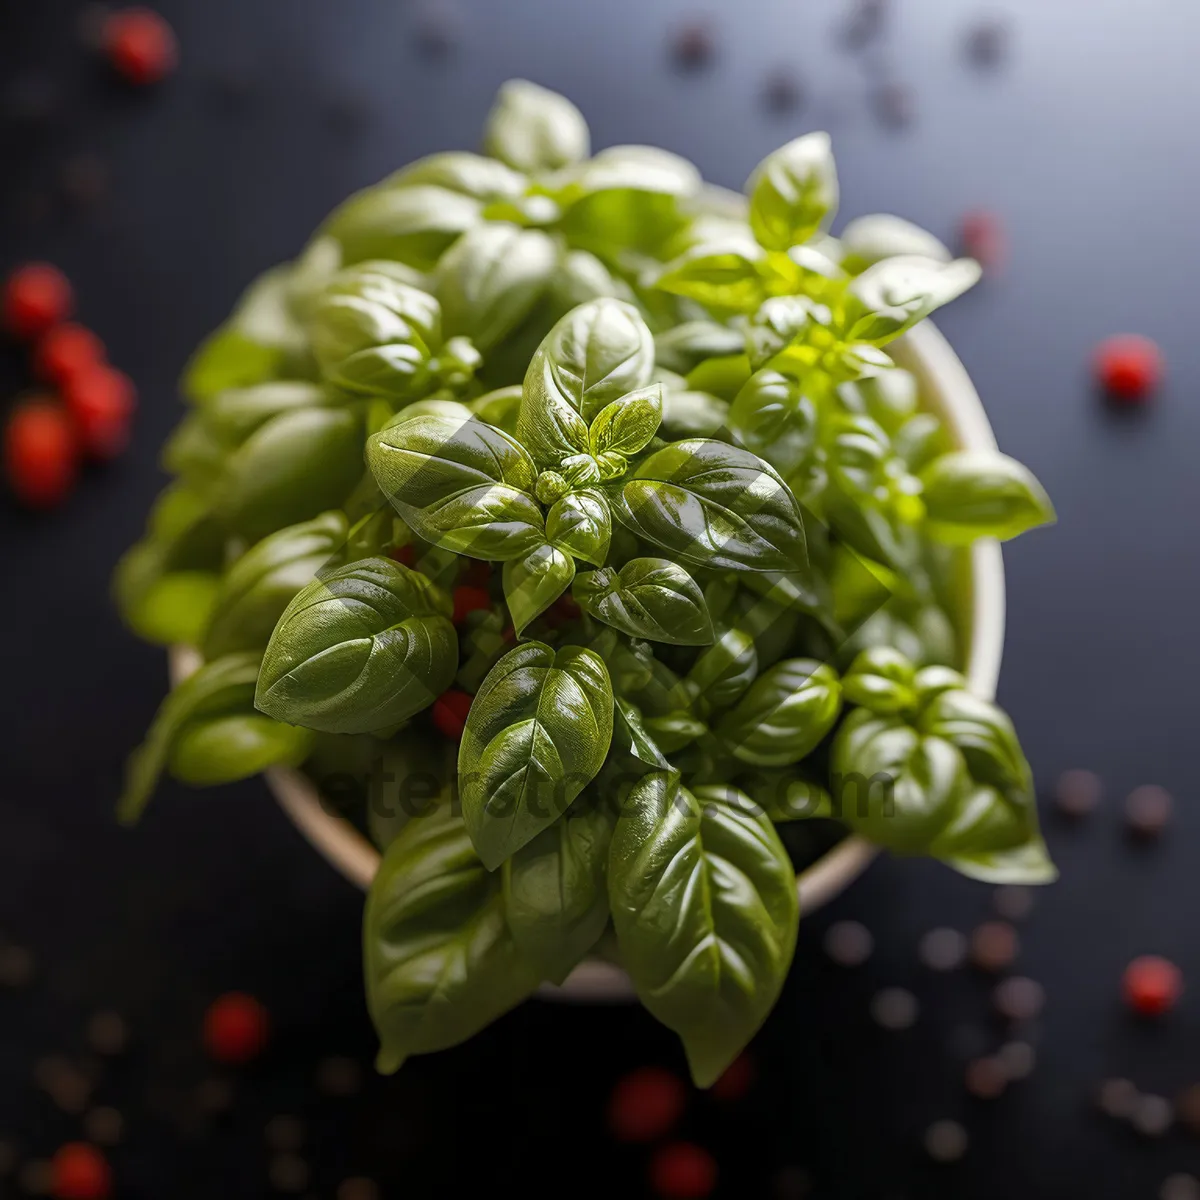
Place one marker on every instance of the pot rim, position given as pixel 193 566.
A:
pixel 946 389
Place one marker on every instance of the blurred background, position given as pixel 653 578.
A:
pixel 1072 127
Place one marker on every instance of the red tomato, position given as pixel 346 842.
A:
pixel 65 351
pixel 450 713
pixel 140 45
pixel 41 455
pixel 1152 985
pixel 468 600
pixel 80 1172
pixel 236 1028
pixel 683 1171
pixel 37 296
pixel 101 400
pixel 1129 367
pixel 646 1105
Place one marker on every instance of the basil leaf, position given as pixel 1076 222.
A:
pixel 793 192
pixel 785 796
pixel 460 171
pixel 688 414
pixel 547 423
pixel 774 418
pixel 705 910
pixel 235 413
pixel 581 524
pixel 499 408
pixel 724 670
pixel 225 749
pixel 893 295
pixel 627 424
pixel 360 649
pixel 296 466
pixel 890 398
pixel 881 679
pixel 683 347
pixel 713 505
pixel 555 893
pixel 412 225
pixel 868 240
pixel 463 485
pixel 784 715
pixel 982 732
pixel 533 129
pixel 537 733
pixel 721 275
pixel 779 323
pixel 260 585
pixel 674 731
pixel 219 688
pixel 194 452
pixel 634 169
pixel 972 494
pixel 649 598
pixel 165 607
pixel 533 583
pixel 440 961
pixel 492 278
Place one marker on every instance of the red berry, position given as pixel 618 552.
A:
pixel 36 297
pixel 405 555
pixel 1129 367
pixel 982 237
pixel 101 400
pixel 1152 985
pixel 140 45
pixel 683 1171
pixel 236 1028
pixel 40 454
pixel 736 1081
pixel 65 351
pixel 476 573
pixel 450 713
pixel 468 600
pixel 80 1172
pixel 646 1105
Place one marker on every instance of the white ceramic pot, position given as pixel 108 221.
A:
pixel 945 389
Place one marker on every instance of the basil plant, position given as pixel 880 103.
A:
pixel 574 531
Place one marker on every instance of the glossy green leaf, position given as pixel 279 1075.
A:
pixel 634 169
pixel 627 424
pixel 974 494
pixel 724 670
pixel 359 649
pixel 555 893
pixel 492 278
pixel 460 171
pixel 439 959
pixel 683 347
pixel 867 240
pixel 256 589
pixel 688 414
pixel 774 418
pixel 466 486
pixel 881 679
pixel 235 413
pixel 534 582
pixel 500 408
pixel 581 524
pixel 650 598
pixel 713 505
pixel 895 294
pixel 721 275
pixel 793 192
pixel 227 748
pixel 784 715
pixel 537 733
pixel 705 910
pixel 533 129
pixel 166 607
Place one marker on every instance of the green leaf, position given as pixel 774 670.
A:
pixel 881 679
pixel 893 295
pixel 410 224
pixel 713 505
pixel 889 397
pixel 163 606
pixel 256 589
pixel 775 418
pixel 220 688
pixel 460 171
pixel 974 494
pixel 673 731
pixel 634 169
pixel 533 129
pixel 793 192
pixel 724 670
pixel 492 278
pixel 500 408
pixel 779 323
pixel 722 275
pixel 537 733
pixel 360 649
pixel 466 486
pixel 440 961
pixel 555 894
pixel 783 795
pixel 648 598
pixel 627 424
pixel 683 347
pixel 533 583
pixel 235 413
pixel 868 240
pixel 705 910
pixel 296 466
pixel 228 748
pixel 689 414
pixel 581 524
pixel 785 713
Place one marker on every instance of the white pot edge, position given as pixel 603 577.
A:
pixel 946 388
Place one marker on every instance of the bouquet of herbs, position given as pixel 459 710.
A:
pixel 590 507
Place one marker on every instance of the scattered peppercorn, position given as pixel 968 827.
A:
pixel 101 400
pixel 64 351
pixel 1152 985
pixel 945 1141
pixel 994 946
pixel 981 236
pixel 236 1028
pixel 694 45
pixel 1148 810
pixel 339 1076
pixel 646 1105
pixel 140 45
pixel 40 457
pixel 736 1081
pixel 468 600
pixel 1129 367
pixel 450 711
pixel 1187 1108
pixel 987 43
pixel 942 950
pixel 214 1096
pixel 107 1033
pixel 894 105
pixel 1019 998
pixel 1152 1116
pixel 104 1126
pixel 1180 1187
pixel 1117 1098
pixel 80 1172
pixel 791 1183
pixel 848 943
pixel 783 91
pixel 16 966
pixel 894 1008
pixel 986 1078
pixel 37 297
pixel 358 1188
pixel 1013 901
pixel 683 1171
pixel 288 1173
pixel 1077 792
pixel 284 1133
